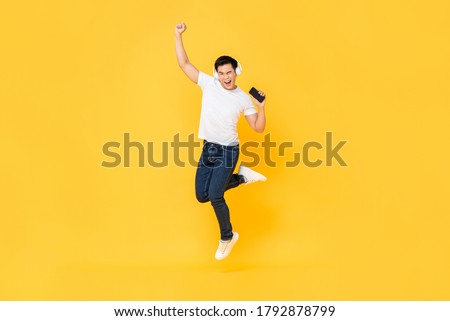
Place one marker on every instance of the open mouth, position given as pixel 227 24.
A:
pixel 227 82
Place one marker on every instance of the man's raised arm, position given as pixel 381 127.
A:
pixel 183 61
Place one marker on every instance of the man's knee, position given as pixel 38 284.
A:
pixel 202 198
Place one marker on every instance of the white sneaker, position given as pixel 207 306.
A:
pixel 250 175
pixel 225 247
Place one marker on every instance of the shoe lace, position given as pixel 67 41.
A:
pixel 223 246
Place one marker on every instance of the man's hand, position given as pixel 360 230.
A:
pixel 180 28
pixel 257 103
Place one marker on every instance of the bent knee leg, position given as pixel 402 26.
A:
pixel 202 197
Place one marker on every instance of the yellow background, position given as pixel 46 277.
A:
pixel 77 74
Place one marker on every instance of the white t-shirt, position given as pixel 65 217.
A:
pixel 221 109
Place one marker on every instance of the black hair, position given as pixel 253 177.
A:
pixel 223 60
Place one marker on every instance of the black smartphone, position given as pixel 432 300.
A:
pixel 257 96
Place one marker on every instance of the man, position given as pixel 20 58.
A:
pixel 222 104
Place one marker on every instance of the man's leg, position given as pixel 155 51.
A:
pixel 220 181
pixel 213 177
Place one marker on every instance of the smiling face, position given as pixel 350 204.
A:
pixel 227 76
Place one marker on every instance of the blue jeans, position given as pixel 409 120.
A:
pixel 213 177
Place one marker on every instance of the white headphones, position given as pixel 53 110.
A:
pixel 238 70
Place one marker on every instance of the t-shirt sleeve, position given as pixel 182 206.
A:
pixel 204 79
pixel 249 109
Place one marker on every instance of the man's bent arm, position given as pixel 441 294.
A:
pixel 258 121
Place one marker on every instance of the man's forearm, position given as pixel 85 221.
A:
pixel 181 53
pixel 260 123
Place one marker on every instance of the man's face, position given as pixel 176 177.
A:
pixel 227 76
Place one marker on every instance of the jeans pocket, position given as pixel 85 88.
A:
pixel 213 153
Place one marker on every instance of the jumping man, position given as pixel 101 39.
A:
pixel 222 104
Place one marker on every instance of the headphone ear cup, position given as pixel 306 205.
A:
pixel 238 71
pixel 216 75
